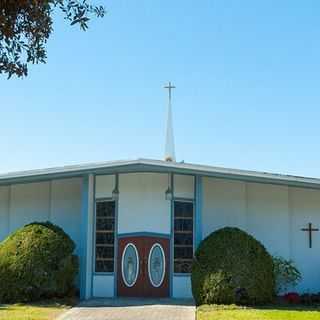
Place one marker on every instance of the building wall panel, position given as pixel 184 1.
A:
pixel 65 207
pixel 30 202
pixel 104 186
pixel 268 216
pixel 142 203
pixel 181 287
pixel 305 208
pixel 183 186
pixel 224 204
pixel 103 286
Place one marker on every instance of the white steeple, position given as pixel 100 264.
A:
pixel 169 154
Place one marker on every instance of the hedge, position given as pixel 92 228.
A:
pixel 36 262
pixel 230 266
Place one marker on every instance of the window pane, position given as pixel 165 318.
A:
pixel 104 266
pixel 183 236
pixel 102 238
pixel 105 226
pixel 182 266
pixel 106 209
pixel 183 239
pixel 104 252
pixel 183 209
pixel 183 252
pixel 183 225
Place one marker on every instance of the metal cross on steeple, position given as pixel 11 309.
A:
pixel 169 87
pixel 169 147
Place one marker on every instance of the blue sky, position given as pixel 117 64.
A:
pixel 247 75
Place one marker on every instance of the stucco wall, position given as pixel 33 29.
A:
pixel 65 208
pixel 224 204
pixel 103 286
pixel 305 208
pixel 104 186
pixel 142 203
pixel 273 214
pixel 58 201
pixel 181 287
pixel 268 217
pixel 29 202
pixel 183 186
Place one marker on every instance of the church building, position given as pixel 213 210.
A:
pixel 137 223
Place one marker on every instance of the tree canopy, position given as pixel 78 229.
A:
pixel 25 27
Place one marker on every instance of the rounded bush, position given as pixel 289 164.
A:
pixel 230 266
pixel 36 262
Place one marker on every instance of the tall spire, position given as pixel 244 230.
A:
pixel 169 154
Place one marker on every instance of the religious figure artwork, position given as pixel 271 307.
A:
pixel 156 268
pixel 131 273
pixel 130 267
pixel 156 265
pixel 309 229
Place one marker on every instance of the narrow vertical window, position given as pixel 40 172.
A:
pixel 105 227
pixel 183 236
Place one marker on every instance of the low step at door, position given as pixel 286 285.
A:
pixel 143 267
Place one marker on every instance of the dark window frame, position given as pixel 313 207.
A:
pixel 190 232
pixel 105 231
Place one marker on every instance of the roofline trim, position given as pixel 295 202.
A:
pixel 147 165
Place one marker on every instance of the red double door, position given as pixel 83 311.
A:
pixel 143 266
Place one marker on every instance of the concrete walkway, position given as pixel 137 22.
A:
pixel 132 309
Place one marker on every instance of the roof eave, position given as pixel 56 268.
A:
pixel 142 165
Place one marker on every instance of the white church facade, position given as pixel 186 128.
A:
pixel 136 224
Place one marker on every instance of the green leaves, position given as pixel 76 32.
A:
pixel 230 266
pixel 37 261
pixel 26 25
pixel 286 274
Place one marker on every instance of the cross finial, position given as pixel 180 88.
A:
pixel 169 87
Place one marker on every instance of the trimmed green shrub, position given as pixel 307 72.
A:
pixel 287 276
pixel 230 266
pixel 36 262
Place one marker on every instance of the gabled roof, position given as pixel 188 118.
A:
pixel 149 165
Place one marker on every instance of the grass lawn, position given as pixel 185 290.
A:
pixel 45 310
pixel 290 312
